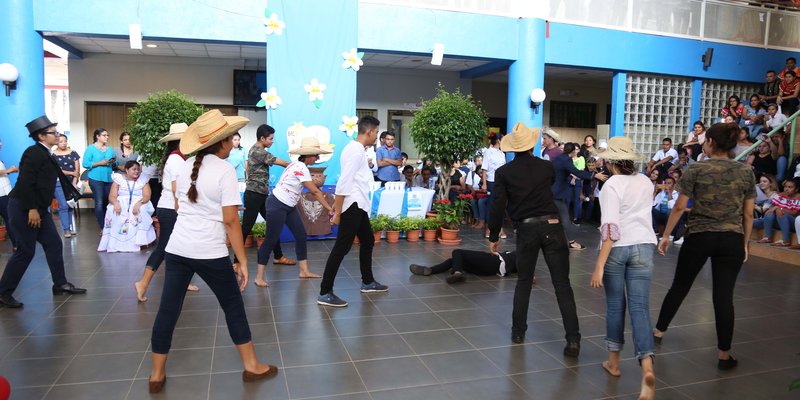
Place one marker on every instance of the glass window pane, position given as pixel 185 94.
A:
pixel 784 30
pixel 737 24
pixel 669 16
pixel 603 12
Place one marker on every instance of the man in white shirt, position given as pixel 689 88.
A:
pixel 351 213
pixel 662 206
pixel 663 158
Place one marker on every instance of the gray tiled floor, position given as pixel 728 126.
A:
pixel 424 339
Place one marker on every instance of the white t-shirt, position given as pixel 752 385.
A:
pixel 199 231
pixel 625 202
pixel 663 197
pixel 355 177
pixel 291 183
pixel 171 168
pixel 493 158
pixel 5 183
pixel 473 180
pixel 660 155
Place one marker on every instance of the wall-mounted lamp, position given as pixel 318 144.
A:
pixel 537 98
pixel 437 54
pixel 9 75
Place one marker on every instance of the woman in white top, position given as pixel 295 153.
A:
pixel 493 158
pixel 624 266
pixel 5 189
pixel 167 211
pixel 208 198
pixel 282 207
pixel 129 223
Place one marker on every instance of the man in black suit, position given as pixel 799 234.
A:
pixel 29 215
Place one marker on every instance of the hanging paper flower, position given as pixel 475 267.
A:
pixel 315 91
pixel 298 126
pixel 353 59
pixel 349 125
pixel 274 25
pixel 270 99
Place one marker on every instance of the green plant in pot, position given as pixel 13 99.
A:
pixel 378 224
pixel 259 231
pixel 411 226
pixel 430 226
pixel 393 229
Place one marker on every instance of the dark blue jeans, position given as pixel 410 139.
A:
pixel 27 237
pixel 4 214
pixel 254 204
pixel 279 214
pixel 100 191
pixel 166 219
pixel 550 239
pixel 218 274
pixel 64 212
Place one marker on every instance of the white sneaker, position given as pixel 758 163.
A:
pixel 678 242
pixel 67 234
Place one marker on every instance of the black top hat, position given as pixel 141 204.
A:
pixel 39 124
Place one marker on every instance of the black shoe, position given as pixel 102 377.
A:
pixel 572 349
pixel 9 301
pixel 67 288
pixel 657 339
pixel 420 270
pixel 517 338
pixel 725 365
pixel 456 277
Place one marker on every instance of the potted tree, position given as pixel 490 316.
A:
pixel 259 231
pixel 393 230
pixel 411 226
pixel 447 128
pixel 450 214
pixel 430 228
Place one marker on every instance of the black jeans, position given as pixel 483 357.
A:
pixel 166 219
pixel 726 250
pixel 218 274
pixel 278 215
pixel 155 191
pixel 353 222
pixel 476 262
pixel 563 215
pixel 46 234
pixel 254 204
pixel 550 238
pixel 4 214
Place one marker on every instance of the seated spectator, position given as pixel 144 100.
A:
pixel 425 179
pixel 790 87
pixel 755 115
pixel 676 175
pixel 770 91
pixel 764 161
pixel 408 175
pixel 694 143
pixel 655 179
pixel 662 206
pixel 774 118
pixel 476 182
pixel 782 214
pixel 476 262
pixel 403 161
pixel 782 150
pixel 734 108
pixel 128 222
pixel 683 161
pixel 791 65
pixel 457 182
pixel 743 143
pixel 663 158
pixel 768 188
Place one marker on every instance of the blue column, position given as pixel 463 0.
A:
pixel 618 89
pixel 697 94
pixel 21 46
pixel 526 74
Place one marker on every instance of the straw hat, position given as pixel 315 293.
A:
pixel 310 146
pixel 208 129
pixel 550 132
pixel 620 148
pixel 521 139
pixel 175 132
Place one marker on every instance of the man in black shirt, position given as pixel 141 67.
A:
pixel 523 186
pixel 770 91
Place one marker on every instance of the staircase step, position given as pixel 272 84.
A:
pixel 781 254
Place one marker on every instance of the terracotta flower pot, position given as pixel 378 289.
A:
pixel 356 241
pixel 259 240
pixel 431 214
pixel 429 235
pixel 248 242
pixel 377 237
pixel 2 233
pixel 413 235
pixel 449 234
pixel 392 236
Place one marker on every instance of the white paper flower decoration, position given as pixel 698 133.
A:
pixel 274 25
pixel 349 125
pixel 270 99
pixel 352 59
pixel 315 91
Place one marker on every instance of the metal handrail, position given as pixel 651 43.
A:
pixel 772 132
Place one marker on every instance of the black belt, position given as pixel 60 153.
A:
pixel 533 220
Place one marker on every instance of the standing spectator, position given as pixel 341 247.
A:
pixel 99 160
pixel 723 195
pixel 755 115
pixel 5 189
pixel 493 158
pixel 733 108
pixel 238 159
pixel 663 158
pixel 791 66
pixel 29 215
pixel 694 143
pixel 577 183
pixel 790 87
pixel 68 161
pixel 562 193
pixel 770 91
pixel 550 149
pixel 587 148
pixel 125 152
pixel 782 214
pixel 388 157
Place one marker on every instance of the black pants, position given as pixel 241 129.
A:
pixel 353 222
pixel 726 250
pixel 46 234
pixel 550 238
pixel 166 219
pixel 218 274
pixel 155 191
pixel 254 204
pixel 4 214
pixel 476 262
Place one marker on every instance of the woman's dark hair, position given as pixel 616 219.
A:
pixel 723 136
pixel 594 142
pixel 198 161
pixel 790 73
pixel 122 136
pixel 408 167
pixel 303 158
pixel 97 133
pixel 625 167
pixel 240 138
pixel 171 146
pixel 733 96
pixel 569 148
pixel 494 139
pixel 682 151
pixel 759 104
pixel 131 163
pixel 698 122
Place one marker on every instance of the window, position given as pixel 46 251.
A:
pixel 573 115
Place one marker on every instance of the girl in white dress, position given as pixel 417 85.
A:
pixel 128 221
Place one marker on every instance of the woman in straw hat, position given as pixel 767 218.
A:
pixel 282 207
pixel 624 266
pixel 167 210
pixel 208 198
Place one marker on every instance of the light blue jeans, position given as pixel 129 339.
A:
pixel 64 212
pixel 629 269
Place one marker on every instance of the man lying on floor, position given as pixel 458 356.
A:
pixel 476 262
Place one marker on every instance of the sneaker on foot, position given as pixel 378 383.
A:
pixel 420 270
pixel 67 234
pixel 457 276
pixel 330 299
pixel 573 245
pixel 373 287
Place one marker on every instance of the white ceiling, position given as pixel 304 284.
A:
pixel 380 60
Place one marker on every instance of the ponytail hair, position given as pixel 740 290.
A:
pixel 198 161
pixel 625 167
pixel 723 136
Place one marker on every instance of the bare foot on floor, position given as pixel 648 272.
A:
pixel 648 387
pixel 260 283
pixel 613 371
pixel 309 275
pixel 192 288
pixel 140 290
